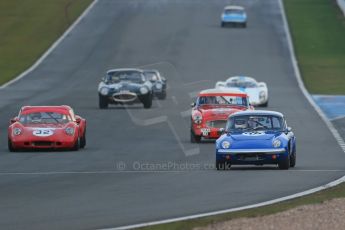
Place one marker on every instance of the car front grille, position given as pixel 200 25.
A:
pixel 216 124
pixel 251 157
pixel 124 97
pixel 42 143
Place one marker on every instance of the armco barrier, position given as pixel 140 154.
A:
pixel 341 4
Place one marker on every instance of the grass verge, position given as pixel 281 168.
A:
pixel 28 28
pixel 317 198
pixel 318 33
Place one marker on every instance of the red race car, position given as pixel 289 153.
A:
pixel 212 109
pixel 46 127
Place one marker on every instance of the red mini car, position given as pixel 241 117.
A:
pixel 46 127
pixel 212 109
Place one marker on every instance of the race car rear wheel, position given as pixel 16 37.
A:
pixel 147 101
pixel 194 138
pixel 83 140
pixel 10 146
pixel 284 163
pixel 103 102
pixel 293 158
pixel 222 24
pixel 244 25
pixel 265 104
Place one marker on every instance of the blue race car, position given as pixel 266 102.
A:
pixel 234 15
pixel 256 137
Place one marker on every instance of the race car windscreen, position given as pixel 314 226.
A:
pixel 242 84
pixel 127 76
pixel 233 11
pixel 44 118
pixel 222 100
pixel 255 122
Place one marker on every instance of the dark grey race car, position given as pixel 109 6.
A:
pixel 125 86
pixel 159 82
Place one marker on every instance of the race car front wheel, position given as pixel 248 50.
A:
pixel 147 102
pixel 284 163
pixel 76 145
pixel 194 138
pixel 10 146
pixel 103 102
pixel 265 104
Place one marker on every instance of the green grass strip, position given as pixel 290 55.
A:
pixel 29 27
pixel 318 33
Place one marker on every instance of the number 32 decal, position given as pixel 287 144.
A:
pixel 43 132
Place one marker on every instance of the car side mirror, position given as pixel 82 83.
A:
pixel 288 129
pixel 78 120
pixel 192 104
pixel 14 120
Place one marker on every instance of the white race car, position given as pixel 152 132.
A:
pixel 257 91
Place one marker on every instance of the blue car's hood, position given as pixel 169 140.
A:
pixel 254 135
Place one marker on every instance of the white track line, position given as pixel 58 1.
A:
pixel 337 118
pixel 51 48
pixel 335 133
pixel 155 171
pixel 310 191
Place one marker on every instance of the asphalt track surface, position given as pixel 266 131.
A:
pixel 183 39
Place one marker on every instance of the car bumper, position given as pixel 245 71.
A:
pixel 208 133
pixel 234 21
pixel 43 144
pixel 251 156
pixel 125 98
pixel 158 91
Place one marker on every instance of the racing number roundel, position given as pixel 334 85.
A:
pixel 42 132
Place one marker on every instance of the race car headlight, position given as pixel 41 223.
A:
pixel 277 143
pixel 159 86
pixel 69 131
pixel 197 119
pixel 225 144
pixel 144 90
pixel 16 131
pixel 104 91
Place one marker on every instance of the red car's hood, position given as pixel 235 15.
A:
pixel 221 113
pixel 51 126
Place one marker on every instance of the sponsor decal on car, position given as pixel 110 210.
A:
pixel 253 133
